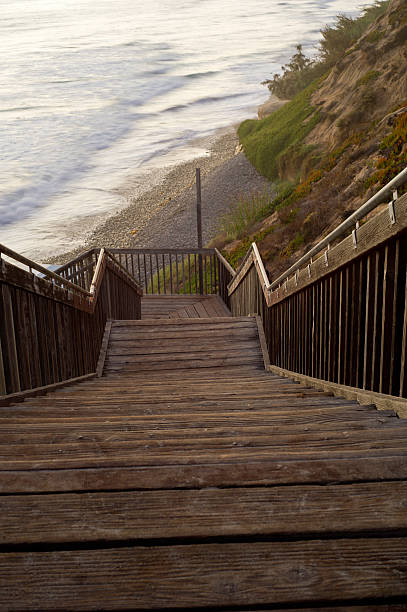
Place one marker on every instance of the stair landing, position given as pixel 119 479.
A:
pixel 183 307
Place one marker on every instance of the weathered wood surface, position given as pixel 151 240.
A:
pixel 51 334
pixel 182 307
pixel 143 515
pixel 218 574
pixel 343 317
pixel 180 479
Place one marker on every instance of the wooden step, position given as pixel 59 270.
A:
pixel 293 511
pixel 189 477
pixel 202 575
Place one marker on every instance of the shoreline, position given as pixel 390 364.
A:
pixel 164 215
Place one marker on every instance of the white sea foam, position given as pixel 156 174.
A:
pixel 95 92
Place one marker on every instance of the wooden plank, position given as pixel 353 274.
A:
pixel 219 323
pixel 232 449
pixel 103 349
pixel 218 473
pixel 313 418
pixel 200 309
pixel 189 352
pixel 205 428
pixel 132 405
pixel 219 305
pixel 175 346
pixel 186 362
pixel 210 308
pixel 204 574
pixel 142 515
pixel 191 312
pixel 130 338
pixel 206 436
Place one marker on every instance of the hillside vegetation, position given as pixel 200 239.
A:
pixel 335 143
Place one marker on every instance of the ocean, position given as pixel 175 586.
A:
pixel 98 93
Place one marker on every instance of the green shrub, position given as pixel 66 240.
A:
pixel 336 39
pixel 265 142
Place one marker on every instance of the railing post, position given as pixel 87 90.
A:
pixel 3 388
pixel 199 226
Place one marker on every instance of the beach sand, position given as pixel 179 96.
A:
pixel 165 216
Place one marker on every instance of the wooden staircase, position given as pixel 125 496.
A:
pixel 190 477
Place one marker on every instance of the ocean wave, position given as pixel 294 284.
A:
pixel 21 108
pixel 198 75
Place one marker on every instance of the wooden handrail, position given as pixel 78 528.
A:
pixel 129 277
pixel 47 273
pixel 191 250
pixel 253 256
pixel 225 262
pixel 77 259
pixel 53 334
pixel 98 273
pixel 351 222
pixel 343 318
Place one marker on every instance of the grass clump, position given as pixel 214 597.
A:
pixel 372 75
pixel 393 155
pixel 245 211
pixel 269 142
pixel 293 245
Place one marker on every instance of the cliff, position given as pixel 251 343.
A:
pixel 336 143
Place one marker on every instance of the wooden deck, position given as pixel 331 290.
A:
pixel 190 477
pixel 183 307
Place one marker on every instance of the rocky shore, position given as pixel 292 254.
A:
pixel 165 216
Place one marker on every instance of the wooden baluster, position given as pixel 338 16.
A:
pixel 151 272
pixel 164 274
pixel 3 388
pixel 388 323
pixel 177 272
pixel 171 282
pixel 145 273
pixel 361 291
pixel 10 344
pixel 377 319
pixel 183 272
pixel 139 269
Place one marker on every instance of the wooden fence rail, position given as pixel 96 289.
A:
pixel 343 317
pixel 49 333
pixel 161 271
pixel 172 271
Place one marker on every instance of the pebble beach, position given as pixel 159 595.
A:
pixel 165 216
